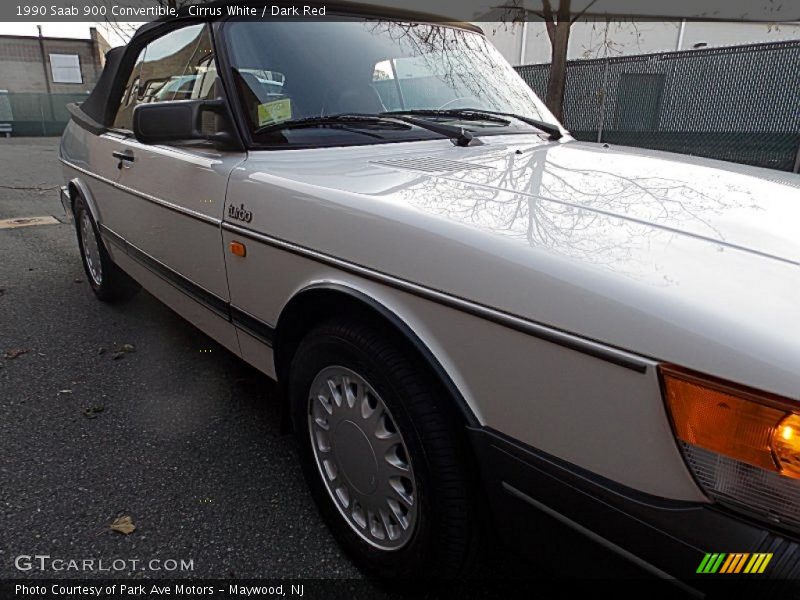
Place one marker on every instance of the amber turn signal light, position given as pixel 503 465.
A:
pixel 754 427
pixel 238 249
pixel 786 442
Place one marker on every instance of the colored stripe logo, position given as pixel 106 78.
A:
pixel 737 562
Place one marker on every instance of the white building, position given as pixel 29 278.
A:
pixel 527 43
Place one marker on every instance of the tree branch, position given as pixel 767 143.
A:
pixel 583 12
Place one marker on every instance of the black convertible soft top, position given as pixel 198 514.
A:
pixel 97 112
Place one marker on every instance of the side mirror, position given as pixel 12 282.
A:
pixel 160 122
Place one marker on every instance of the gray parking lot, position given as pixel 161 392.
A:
pixel 178 434
pixel 129 411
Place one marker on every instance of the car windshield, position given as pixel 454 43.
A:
pixel 288 71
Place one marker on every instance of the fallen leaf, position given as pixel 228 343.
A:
pixel 93 411
pixel 78 280
pixel 123 525
pixel 127 348
pixel 64 391
pixel 118 356
pixel 15 352
pixel 101 351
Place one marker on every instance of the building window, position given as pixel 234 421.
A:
pixel 65 68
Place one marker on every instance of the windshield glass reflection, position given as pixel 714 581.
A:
pixel 287 71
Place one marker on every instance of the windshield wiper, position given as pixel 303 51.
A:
pixel 476 113
pixel 459 135
pixel 336 120
pixel 466 115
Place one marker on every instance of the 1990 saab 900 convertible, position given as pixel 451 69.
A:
pixel 472 316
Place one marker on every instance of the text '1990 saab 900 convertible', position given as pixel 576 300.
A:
pixel 473 318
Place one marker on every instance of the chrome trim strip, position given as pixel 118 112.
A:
pixel 610 354
pixel 566 339
pixel 152 199
pixel 597 538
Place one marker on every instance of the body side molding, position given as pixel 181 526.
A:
pixel 566 339
pixel 593 348
pixel 263 332
pixel 196 292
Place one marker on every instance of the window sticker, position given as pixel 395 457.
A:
pixel 274 112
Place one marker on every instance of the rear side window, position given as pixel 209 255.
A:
pixel 177 66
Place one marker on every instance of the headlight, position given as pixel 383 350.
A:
pixel 742 445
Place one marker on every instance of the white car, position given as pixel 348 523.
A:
pixel 473 317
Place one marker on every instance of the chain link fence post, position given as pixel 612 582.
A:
pixel 603 94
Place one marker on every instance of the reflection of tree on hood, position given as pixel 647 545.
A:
pixel 594 215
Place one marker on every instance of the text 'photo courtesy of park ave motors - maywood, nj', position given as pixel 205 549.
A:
pixel 156 590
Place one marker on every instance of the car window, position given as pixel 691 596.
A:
pixel 407 83
pixel 129 96
pixel 369 67
pixel 262 92
pixel 177 66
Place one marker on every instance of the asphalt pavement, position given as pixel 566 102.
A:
pixel 179 434
pixel 129 411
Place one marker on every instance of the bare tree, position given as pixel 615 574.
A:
pixel 125 30
pixel 558 23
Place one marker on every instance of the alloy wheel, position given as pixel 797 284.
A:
pixel 362 458
pixel 91 249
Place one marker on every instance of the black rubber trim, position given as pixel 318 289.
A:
pixel 409 335
pixel 578 476
pixel 514 322
pixel 85 121
pixel 211 301
pixel 534 495
pixel 255 327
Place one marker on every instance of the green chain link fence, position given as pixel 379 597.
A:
pixel 736 103
pixel 36 114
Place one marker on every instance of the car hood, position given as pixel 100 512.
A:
pixel 733 206
pixel 554 189
pixel 682 259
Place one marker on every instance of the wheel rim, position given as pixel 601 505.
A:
pixel 362 458
pixel 91 249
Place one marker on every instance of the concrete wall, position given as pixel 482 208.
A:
pixel 598 39
pixel 22 71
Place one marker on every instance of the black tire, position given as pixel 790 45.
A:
pixel 444 538
pixel 114 285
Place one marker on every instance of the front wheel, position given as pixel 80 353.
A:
pixel 385 462
pixel 109 283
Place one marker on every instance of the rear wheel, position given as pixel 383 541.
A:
pixel 108 281
pixel 383 458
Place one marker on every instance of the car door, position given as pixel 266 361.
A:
pixel 175 194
